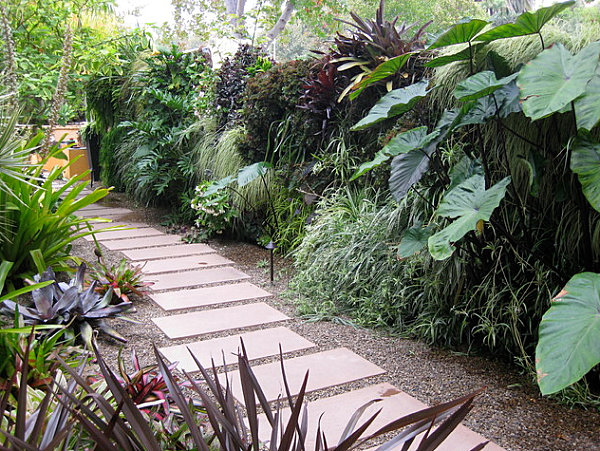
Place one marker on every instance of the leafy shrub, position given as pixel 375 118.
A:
pixel 123 278
pixel 231 82
pixel 214 210
pixel 271 98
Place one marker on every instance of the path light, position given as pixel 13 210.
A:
pixel 271 247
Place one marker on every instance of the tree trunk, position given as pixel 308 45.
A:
pixel 284 18
pixel 61 87
pixel 9 44
pixel 235 10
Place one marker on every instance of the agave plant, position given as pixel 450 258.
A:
pixel 70 304
pixel 123 278
pixel 373 42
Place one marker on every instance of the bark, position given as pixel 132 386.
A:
pixel 235 10
pixel 9 44
pixel 279 26
pixel 61 87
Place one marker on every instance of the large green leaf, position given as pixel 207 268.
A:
pixel 585 162
pixel 394 103
pixel 251 172
pixel 463 170
pixel 527 23
pixel 381 72
pixel 587 107
pixel 408 168
pixel 459 34
pixel 413 241
pixel 467 203
pixel 569 337
pixel 463 55
pixel 555 78
pixel 401 143
pixel 480 85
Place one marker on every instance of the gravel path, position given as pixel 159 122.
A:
pixel 510 412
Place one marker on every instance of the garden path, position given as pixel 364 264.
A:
pixel 186 277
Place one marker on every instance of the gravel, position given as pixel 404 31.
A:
pixel 511 412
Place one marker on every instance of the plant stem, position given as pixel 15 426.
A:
pixel 470 59
pixel 541 40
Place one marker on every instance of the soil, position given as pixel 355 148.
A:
pixel 511 412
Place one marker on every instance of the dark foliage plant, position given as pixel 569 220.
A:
pixel 123 278
pixel 82 310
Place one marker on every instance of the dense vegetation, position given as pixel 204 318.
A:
pixel 445 187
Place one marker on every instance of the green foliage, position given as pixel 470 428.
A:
pixel 569 334
pixel 585 162
pixel 213 209
pixel 461 33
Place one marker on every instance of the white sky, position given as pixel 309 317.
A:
pixel 139 12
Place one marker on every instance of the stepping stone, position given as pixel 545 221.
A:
pixel 136 243
pixel 167 251
pixel 218 320
pixel 326 369
pixel 185 263
pixel 200 297
pixel 334 413
pixel 104 212
pixel 259 344
pixel 122 234
pixel 102 225
pixel 94 207
pixel 169 281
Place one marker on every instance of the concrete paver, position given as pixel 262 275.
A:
pixel 123 234
pixel 168 281
pixel 159 252
pixel 258 344
pixel 200 297
pixel 218 320
pixel 103 212
pixel 326 369
pixel 185 263
pixel 137 243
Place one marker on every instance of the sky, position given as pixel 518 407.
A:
pixel 139 12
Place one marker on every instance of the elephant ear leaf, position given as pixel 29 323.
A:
pixel 251 172
pixel 399 144
pixel 587 107
pixel 569 334
pixel 585 162
pixel 394 103
pixel 459 34
pixel 414 241
pixel 381 72
pixel 464 55
pixel 480 85
pixel 526 24
pixel 555 78
pixel 468 204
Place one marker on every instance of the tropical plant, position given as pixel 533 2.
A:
pixel 213 209
pixel 60 303
pixel 123 278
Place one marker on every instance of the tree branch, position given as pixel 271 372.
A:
pixel 284 18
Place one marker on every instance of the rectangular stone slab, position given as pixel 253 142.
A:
pixel 123 234
pixel 200 297
pixel 103 212
pixel 180 250
pixel 184 263
pixel 136 243
pixel 210 321
pixel 259 344
pixel 326 369
pixel 103 225
pixel 335 412
pixel 168 281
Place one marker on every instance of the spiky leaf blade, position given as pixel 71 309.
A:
pixel 569 334
pixel 381 72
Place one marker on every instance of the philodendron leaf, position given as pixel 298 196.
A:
pixel 463 170
pixel 585 162
pixel 459 34
pixel 381 72
pixel 401 143
pixel 480 85
pixel 555 78
pixel 463 55
pixel 414 240
pixel 587 107
pixel 394 103
pixel 569 334
pixel 219 185
pixel 251 172
pixel 468 203
pixel 527 23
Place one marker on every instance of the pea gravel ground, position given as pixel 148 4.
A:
pixel 511 411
